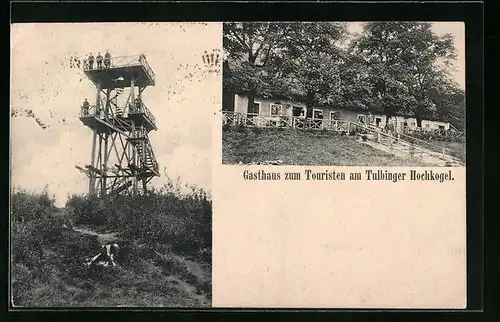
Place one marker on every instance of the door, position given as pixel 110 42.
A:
pixel 362 119
pixel 254 110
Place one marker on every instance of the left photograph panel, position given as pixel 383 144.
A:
pixel 111 136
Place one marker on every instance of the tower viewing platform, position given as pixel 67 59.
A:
pixel 120 71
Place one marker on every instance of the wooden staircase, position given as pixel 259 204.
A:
pixel 146 155
pixel 405 145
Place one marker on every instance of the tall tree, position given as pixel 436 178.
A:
pixel 405 59
pixel 449 101
pixel 249 47
pixel 312 63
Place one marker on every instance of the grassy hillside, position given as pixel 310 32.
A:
pixel 165 256
pixel 295 147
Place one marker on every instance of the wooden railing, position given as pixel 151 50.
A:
pixel 91 111
pixel 451 132
pixel 397 141
pixel 143 109
pixel 126 61
pixel 410 145
pixel 94 111
pixel 284 121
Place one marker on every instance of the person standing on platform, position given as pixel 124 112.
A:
pixel 85 107
pixel 107 59
pixel 137 105
pixel 99 61
pixel 91 61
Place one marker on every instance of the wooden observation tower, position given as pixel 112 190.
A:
pixel 122 158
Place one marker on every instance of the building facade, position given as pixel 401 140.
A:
pixel 268 108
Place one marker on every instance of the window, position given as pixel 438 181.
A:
pixel 378 120
pixel 276 109
pixel 255 110
pixel 427 125
pixel 362 118
pixel 297 111
pixel 412 124
pixel 334 115
pixel 317 114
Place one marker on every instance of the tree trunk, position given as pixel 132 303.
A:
pixel 389 112
pixel 419 121
pixel 251 101
pixel 309 105
pixel 418 115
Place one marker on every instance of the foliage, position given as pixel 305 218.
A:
pixel 164 216
pixel 29 206
pixel 47 255
pixel 401 67
pixel 406 60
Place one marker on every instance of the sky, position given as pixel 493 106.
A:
pixel 185 96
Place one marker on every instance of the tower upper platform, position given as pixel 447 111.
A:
pixel 122 69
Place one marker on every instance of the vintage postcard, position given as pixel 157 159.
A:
pixel 238 164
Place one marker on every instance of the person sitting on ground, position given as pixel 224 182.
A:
pixel 99 61
pixel 107 255
pixel 107 59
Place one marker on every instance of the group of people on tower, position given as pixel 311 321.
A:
pixel 99 59
pixel 135 108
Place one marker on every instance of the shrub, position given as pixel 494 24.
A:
pixel 27 206
pixel 21 282
pixel 257 130
pixel 165 216
pixel 90 210
pixel 240 128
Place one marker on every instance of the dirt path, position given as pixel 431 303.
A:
pixel 190 289
pixel 103 237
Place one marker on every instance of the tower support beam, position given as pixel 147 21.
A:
pixel 117 164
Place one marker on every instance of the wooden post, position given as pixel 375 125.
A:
pixel 98 101
pixel 132 91
pixel 348 128
pixel 144 152
pixel 92 163
pixel 105 165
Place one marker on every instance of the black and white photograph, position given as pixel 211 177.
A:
pixel 111 202
pixel 344 93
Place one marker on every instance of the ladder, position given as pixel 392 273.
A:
pixel 146 155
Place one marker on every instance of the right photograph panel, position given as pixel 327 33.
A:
pixel 344 93
pixel 339 166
